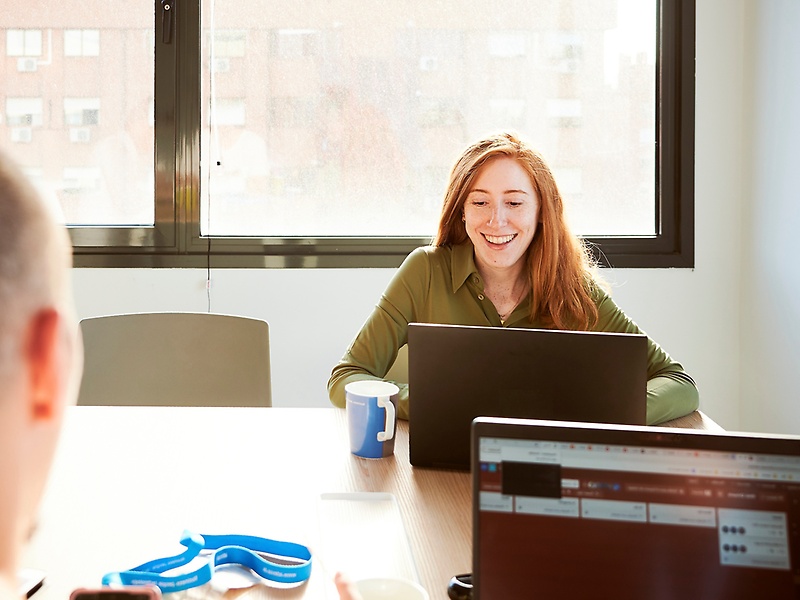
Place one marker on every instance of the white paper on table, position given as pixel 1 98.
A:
pixel 362 535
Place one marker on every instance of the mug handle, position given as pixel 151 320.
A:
pixel 387 405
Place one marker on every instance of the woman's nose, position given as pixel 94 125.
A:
pixel 498 216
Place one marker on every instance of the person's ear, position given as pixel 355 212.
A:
pixel 43 358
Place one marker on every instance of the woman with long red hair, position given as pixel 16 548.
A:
pixel 503 256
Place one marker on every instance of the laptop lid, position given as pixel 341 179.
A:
pixel 575 510
pixel 457 373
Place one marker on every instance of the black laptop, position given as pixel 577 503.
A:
pixel 457 373
pixel 577 510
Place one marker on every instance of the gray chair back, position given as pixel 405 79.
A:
pixel 175 359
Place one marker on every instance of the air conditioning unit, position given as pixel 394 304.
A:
pixel 221 65
pixel 27 65
pixel 569 65
pixel 21 135
pixel 80 135
pixel 428 63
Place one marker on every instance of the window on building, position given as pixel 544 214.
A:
pixel 291 43
pixel 24 42
pixel 230 112
pixel 230 42
pixel 510 44
pixel 78 180
pixel 24 112
pixel 81 111
pixel 82 42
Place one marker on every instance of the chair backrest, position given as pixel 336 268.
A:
pixel 175 359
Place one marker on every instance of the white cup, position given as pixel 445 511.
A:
pixel 388 588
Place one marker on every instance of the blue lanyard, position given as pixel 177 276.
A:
pixel 246 550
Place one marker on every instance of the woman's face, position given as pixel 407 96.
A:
pixel 501 214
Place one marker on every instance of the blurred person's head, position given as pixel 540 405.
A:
pixel 40 355
pixel 558 266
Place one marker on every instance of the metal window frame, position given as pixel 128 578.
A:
pixel 175 239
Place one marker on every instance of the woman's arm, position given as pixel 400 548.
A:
pixel 670 396
pixel 375 347
pixel 671 392
pixel 370 356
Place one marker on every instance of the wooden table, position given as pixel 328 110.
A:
pixel 695 420
pixel 128 480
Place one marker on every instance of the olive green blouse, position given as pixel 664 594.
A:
pixel 442 285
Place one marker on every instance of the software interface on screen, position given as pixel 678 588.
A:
pixel 570 518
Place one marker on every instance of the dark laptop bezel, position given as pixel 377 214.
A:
pixel 611 434
pixel 439 423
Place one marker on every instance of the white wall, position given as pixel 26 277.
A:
pixel 698 315
pixel 770 324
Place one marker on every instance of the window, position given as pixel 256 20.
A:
pixel 230 112
pixel 564 51
pixel 293 43
pixel 81 111
pixel 508 45
pixel 80 179
pixel 329 142
pixel 24 112
pixel 98 163
pixel 82 42
pixel 24 42
pixel 230 42
pixel 564 112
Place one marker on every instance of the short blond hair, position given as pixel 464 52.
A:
pixel 32 254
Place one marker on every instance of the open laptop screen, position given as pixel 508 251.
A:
pixel 576 510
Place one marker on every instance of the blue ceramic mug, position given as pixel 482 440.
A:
pixel 371 417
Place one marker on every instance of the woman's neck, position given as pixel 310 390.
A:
pixel 503 280
pixel 505 289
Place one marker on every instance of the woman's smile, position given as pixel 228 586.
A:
pixel 499 240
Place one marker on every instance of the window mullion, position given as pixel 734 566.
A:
pixel 185 81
